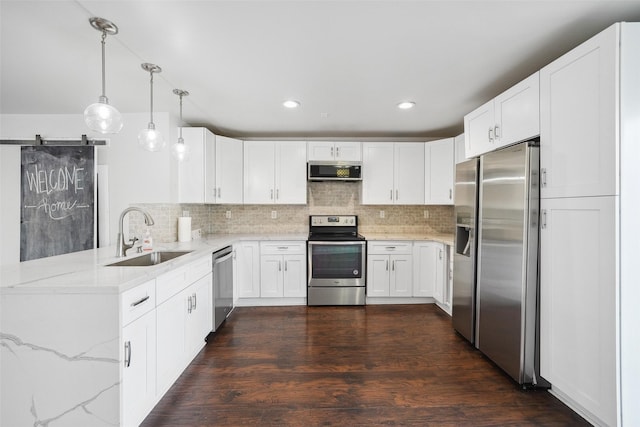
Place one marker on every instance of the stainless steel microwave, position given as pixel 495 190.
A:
pixel 334 171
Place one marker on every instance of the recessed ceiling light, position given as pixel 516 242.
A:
pixel 406 105
pixel 291 103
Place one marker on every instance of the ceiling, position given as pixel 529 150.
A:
pixel 348 62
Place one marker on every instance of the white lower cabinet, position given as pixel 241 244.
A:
pixel 427 271
pixel 578 302
pixel 283 270
pixel 389 269
pixel 139 368
pixel 246 274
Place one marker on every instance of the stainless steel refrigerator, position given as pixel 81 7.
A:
pixel 464 258
pixel 507 272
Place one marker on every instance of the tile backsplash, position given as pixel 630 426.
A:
pixel 322 198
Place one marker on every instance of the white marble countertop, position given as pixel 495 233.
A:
pixel 88 271
pixel 445 238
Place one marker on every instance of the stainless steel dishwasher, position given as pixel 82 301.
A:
pixel 222 291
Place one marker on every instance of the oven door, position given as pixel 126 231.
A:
pixel 341 263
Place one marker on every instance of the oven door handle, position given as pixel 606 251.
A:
pixel 337 243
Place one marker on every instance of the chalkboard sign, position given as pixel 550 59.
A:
pixel 57 200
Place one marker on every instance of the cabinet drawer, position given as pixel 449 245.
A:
pixel 389 247
pixel 170 283
pixel 284 247
pixel 199 268
pixel 137 301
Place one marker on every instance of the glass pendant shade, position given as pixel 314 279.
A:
pixel 150 139
pixel 100 116
pixel 180 150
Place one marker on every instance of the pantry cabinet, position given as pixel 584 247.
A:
pixel 212 172
pixel 589 107
pixel 275 172
pixel 393 173
pixel 512 116
pixel 389 269
pixel 439 172
pixel 345 151
pixel 283 269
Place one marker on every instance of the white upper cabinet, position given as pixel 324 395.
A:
pixel 228 170
pixel 511 117
pixel 439 172
pixel 393 173
pixel 459 148
pixel 212 173
pixel 578 111
pixel 346 151
pixel 275 172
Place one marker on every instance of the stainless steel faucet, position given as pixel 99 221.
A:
pixel 121 246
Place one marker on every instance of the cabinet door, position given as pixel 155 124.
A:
pixel 578 301
pixel 199 313
pixel 191 171
pixel 517 112
pixel 348 151
pixel 291 173
pixel 259 172
pixel 578 108
pixel 247 273
pixel 229 170
pixel 271 276
pixel 439 182
pixel 438 274
pixel 478 130
pixel 139 371
pixel 408 173
pixel 378 270
pixel 295 276
pixel 321 150
pixel 425 269
pixel 460 155
pixel 377 173
pixel 170 340
pixel 401 277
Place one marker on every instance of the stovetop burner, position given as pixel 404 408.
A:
pixel 334 228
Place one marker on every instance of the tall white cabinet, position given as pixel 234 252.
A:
pixel 439 170
pixel 590 114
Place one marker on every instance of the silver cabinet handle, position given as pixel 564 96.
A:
pixel 543 172
pixel 219 192
pixel 439 253
pixel 279 265
pixel 496 131
pixel 285 266
pixel 387 267
pixel 271 194
pixel 390 248
pixel 140 301
pixel 189 305
pixel 396 194
pixel 544 219
pixel 127 354
pixel 393 266
pixel 278 194
pixel 337 151
pixel 450 194
pixel 391 194
pixel 331 151
pixel 490 134
pixel 283 248
pixel 195 301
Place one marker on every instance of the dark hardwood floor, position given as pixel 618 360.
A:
pixel 393 365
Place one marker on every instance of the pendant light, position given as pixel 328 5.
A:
pixel 100 116
pixel 179 149
pixel 149 138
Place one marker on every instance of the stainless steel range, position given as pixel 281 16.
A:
pixel 337 261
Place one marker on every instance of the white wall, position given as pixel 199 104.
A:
pixel 135 175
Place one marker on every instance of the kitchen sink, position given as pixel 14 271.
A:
pixel 153 258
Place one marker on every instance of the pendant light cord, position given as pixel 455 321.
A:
pixel 151 97
pixel 104 36
pixel 181 117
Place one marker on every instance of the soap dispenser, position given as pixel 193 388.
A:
pixel 147 241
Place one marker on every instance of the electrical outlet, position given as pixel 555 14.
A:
pixel 185 213
pixel 274 214
pixel 228 214
pixel 426 214
pixel 381 214
pixel 196 234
